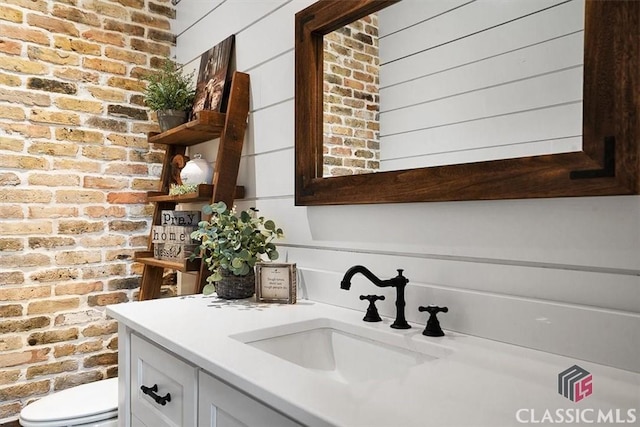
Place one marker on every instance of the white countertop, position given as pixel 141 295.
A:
pixel 480 383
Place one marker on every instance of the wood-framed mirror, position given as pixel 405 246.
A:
pixel 607 164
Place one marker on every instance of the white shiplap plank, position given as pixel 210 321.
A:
pixel 268 174
pixel 287 216
pixel 533 61
pixel 408 12
pixel 536 125
pixel 604 290
pixel 272 82
pixel 543 125
pixel 565 19
pixel 260 42
pixel 188 14
pixel 548 90
pixel 274 127
pixel 230 17
pixel 513 151
pixel 460 22
pixel 589 233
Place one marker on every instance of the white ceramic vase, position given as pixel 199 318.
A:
pixel 197 171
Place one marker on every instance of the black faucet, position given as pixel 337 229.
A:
pixel 398 282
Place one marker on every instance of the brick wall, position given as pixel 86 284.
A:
pixel 351 100
pixel 74 170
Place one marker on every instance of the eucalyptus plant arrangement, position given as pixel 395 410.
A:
pixel 169 88
pixel 233 242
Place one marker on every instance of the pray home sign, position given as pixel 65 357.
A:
pixel 172 239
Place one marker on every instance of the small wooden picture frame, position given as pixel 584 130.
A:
pixel 276 282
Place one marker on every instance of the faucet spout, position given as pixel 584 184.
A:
pixel 399 282
pixel 346 280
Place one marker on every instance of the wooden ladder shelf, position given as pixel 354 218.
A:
pixel 230 128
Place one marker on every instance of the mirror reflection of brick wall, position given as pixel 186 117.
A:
pixel 351 100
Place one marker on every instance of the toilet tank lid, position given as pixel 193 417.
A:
pixel 76 402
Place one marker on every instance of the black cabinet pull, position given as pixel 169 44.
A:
pixel 151 391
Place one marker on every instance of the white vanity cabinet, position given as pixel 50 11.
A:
pixel 203 352
pixel 220 405
pixel 171 384
pixel 180 394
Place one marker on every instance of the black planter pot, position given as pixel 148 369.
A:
pixel 236 287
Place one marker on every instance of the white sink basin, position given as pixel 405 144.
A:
pixel 345 352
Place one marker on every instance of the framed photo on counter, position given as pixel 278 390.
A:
pixel 276 282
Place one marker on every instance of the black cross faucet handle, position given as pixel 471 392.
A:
pixel 433 328
pixel 372 312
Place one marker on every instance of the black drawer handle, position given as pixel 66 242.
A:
pixel 151 391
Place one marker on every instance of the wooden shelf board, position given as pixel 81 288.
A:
pixel 203 193
pixel 185 266
pixel 208 125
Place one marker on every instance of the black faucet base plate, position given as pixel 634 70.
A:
pixel 401 326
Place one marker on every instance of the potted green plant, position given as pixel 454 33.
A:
pixel 170 93
pixel 230 246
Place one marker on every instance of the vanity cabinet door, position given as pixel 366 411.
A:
pixel 135 422
pixel 170 383
pixel 220 405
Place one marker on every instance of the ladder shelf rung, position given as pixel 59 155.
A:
pixel 202 193
pixel 207 125
pixel 184 266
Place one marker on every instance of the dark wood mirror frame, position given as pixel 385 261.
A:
pixel 609 163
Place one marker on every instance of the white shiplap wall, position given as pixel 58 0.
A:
pixel 465 81
pixel 559 275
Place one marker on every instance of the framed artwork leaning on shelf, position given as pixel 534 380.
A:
pixel 214 77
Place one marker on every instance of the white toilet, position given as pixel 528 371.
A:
pixel 94 404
